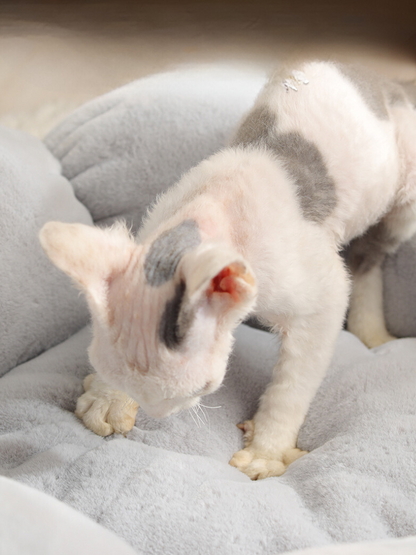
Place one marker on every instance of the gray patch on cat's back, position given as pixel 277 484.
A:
pixel 176 320
pixel 256 127
pixel 369 85
pixel 167 250
pixel 305 164
pixel 300 158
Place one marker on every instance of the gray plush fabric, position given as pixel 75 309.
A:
pixel 400 290
pixel 32 523
pixel 402 546
pixel 121 150
pixel 168 488
pixel 38 307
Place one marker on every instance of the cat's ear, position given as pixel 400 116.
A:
pixel 220 277
pixel 89 255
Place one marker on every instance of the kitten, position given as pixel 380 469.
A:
pixel 326 158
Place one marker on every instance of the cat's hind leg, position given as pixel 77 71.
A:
pixel 366 316
pixel 105 410
pixel 365 257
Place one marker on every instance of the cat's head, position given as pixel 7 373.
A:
pixel 163 312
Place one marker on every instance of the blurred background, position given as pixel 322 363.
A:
pixel 55 54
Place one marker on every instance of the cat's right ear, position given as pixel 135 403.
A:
pixel 89 255
pixel 220 278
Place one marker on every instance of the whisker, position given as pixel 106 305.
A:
pixel 199 409
pixel 197 415
pixel 207 407
pixel 193 418
pixel 204 414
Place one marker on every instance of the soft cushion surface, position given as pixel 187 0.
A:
pixel 121 150
pixel 167 487
pixel 32 523
pixel 39 308
pixel 400 290
pixel 402 546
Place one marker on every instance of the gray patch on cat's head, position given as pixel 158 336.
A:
pixel 259 124
pixel 369 85
pixel 167 250
pixel 305 164
pixel 176 319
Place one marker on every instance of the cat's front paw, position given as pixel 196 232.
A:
pixel 104 410
pixel 258 465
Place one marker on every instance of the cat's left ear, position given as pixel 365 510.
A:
pixel 89 255
pixel 221 278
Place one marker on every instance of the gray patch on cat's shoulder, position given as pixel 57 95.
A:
pixel 176 319
pixel 255 129
pixel 167 250
pixel 305 164
pixel 369 85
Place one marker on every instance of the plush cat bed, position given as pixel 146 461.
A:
pixel 167 487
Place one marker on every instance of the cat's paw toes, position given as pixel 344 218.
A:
pixel 104 410
pixel 242 459
pixel 255 466
pixel 248 428
pixel 258 467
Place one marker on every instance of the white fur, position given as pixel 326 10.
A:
pixel 105 410
pixel 250 220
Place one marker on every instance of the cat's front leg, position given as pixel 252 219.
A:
pixel 305 353
pixel 105 410
pixel 272 434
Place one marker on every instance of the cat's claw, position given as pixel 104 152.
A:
pixel 258 467
pixel 104 410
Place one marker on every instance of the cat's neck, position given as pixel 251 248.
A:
pixel 228 196
pixel 208 214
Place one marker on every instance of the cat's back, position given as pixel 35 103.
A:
pixel 331 128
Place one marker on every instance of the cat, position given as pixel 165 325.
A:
pixel 326 158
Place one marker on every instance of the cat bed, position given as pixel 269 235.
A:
pixel 167 487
